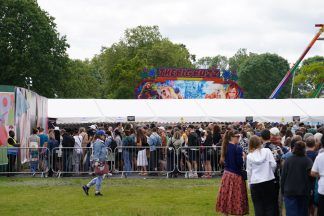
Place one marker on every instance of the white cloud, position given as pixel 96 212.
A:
pixel 206 27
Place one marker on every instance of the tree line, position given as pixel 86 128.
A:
pixel 31 49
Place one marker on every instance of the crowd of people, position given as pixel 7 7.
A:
pixel 282 163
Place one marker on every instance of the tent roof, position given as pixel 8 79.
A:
pixel 195 110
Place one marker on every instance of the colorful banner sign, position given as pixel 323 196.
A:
pixel 188 89
pixel 178 83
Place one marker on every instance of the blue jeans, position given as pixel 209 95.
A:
pixel 296 205
pixel 33 166
pixel 96 181
pixel 127 163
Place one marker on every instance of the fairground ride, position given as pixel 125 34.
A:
pixel 292 70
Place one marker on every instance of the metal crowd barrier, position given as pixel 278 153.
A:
pixel 144 160
pixel 76 161
pixel 196 160
pixel 127 160
pixel 34 161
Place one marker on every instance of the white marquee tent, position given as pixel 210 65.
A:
pixel 68 111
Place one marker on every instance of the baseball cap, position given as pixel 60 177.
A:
pixel 100 133
pixel 94 127
pixel 274 131
pixel 161 128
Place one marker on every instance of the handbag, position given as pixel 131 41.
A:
pixel 101 169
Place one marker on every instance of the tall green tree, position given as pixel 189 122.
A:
pixel 218 61
pixel 260 75
pixel 30 46
pixel 142 47
pixel 309 76
pixel 81 80
pixel 235 62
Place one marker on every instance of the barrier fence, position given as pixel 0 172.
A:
pixel 192 161
pixel 35 160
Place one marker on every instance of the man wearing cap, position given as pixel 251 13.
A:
pixel 100 155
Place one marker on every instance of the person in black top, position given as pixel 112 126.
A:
pixel 295 181
pixel 217 141
pixel 68 145
pixel 216 135
pixel 193 144
pixel 12 152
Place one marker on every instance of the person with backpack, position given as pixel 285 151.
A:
pixel 277 154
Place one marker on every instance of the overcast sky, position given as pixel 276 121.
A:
pixel 206 27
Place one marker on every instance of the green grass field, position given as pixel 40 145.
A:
pixel 35 196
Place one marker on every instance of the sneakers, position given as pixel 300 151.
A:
pixel 85 189
pixel 98 194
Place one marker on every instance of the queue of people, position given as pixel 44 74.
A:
pixel 281 164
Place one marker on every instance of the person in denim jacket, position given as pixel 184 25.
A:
pixel 154 141
pixel 100 154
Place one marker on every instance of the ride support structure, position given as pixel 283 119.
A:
pixel 292 70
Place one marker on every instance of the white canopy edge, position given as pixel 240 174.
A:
pixel 68 111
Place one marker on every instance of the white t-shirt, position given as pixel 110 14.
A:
pixel 318 167
pixel 78 143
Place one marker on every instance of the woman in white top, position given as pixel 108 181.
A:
pixel 77 151
pixel 260 167
pixel 318 171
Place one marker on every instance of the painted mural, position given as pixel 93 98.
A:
pixel 188 84
pixel 20 111
pixel 7 113
pixel 185 89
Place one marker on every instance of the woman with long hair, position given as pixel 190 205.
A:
pixel 207 154
pixel 260 167
pixel 174 143
pixel 119 156
pixel 232 197
pixel 141 142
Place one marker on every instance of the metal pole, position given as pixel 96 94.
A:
pixel 292 86
pixel 295 66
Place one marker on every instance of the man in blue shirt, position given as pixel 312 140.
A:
pixel 154 141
